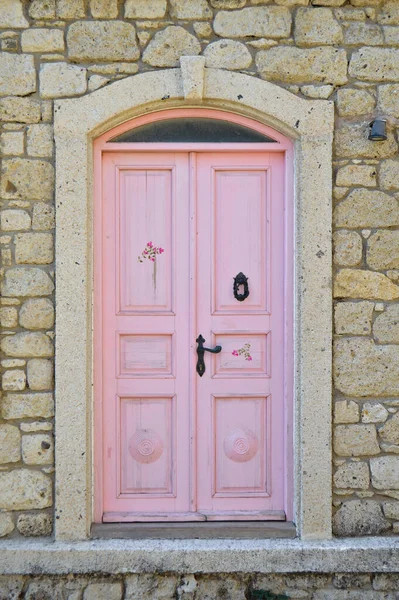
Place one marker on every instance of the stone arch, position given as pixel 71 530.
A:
pixel 309 123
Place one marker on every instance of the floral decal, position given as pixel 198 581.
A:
pixel 245 351
pixel 150 252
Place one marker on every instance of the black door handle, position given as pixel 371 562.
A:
pixel 201 351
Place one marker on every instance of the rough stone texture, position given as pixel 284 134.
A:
pixel 386 326
pixel 374 412
pixel 383 250
pixel 227 54
pixel 391 510
pixel 22 110
pixel 25 490
pixel 24 281
pixel 190 9
pixel 40 374
pixel 145 9
pixel 110 591
pixel 21 406
pixel 388 99
pixel 359 518
pixel 10 444
pixel 356 283
pixel 37 314
pixel 363 34
pixel 12 143
pixel 27 344
pixel 367 208
pixel 43 216
pixel 39 140
pixel 36 525
pixel 70 9
pixel 317 26
pixel 389 175
pixel 222 4
pixel 148 585
pixel 34 248
pixel 357 175
pixel 352 475
pixel 104 9
pixel 61 79
pixel 346 412
pixel 42 9
pixel 18 76
pixel 15 220
pixel 42 40
pixel 385 472
pixel 317 91
pixel 168 45
pixel 375 64
pixel 25 178
pixel 14 380
pixel 8 316
pixel 37 449
pixel 6 527
pixel 362 368
pixel 11 14
pixel 389 14
pixel 355 440
pixel 103 40
pixel 274 22
pixel 390 431
pixel 348 247
pixel 295 65
pixel 351 141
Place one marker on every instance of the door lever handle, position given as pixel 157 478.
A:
pixel 201 351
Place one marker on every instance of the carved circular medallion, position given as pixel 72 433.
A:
pixel 146 446
pixel 241 445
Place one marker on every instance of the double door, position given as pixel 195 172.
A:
pixel 192 258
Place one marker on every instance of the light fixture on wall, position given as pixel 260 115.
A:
pixel 378 131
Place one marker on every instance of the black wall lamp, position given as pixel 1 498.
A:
pixel 378 130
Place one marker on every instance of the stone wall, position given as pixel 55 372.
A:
pixel 343 50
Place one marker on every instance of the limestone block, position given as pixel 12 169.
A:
pixel 18 75
pixel 102 40
pixel 222 4
pixel 351 175
pixel 227 54
pixel 26 178
pixel 346 411
pixel 70 9
pixel 374 412
pixel 353 318
pixel 257 21
pixel 42 9
pixel 36 426
pixel 317 27
pixel 352 475
pixel 391 35
pixel 42 40
pixel 35 525
pixel 385 472
pixel 40 140
pixel 217 587
pixel 24 281
pixel 143 586
pixel 328 2
pixel 10 444
pixel 190 9
pixel 38 449
pixel 8 316
pixel 21 110
pixel 348 247
pixel 300 65
pixel 37 313
pixel 168 45
pixel 386 326
pixel 355 440
pixel 27 344
pixel 389 175
pixel 10 363
pixel 363 34
pixel 12 143
pixel 351 141
pixel 375 64
pixel 43 216
pixel 40 374
pixel 27 406
pixel 110 591
pixel 359 517
pixel 383 250
pixel 390 431
pixel 61 79
pixel 104 9
pixel 391 510
pixel 6 527
pixel 11 14
pixel 348 13
pixel 388 99
pixel 367 208
pixel 287 2
pixel 389 14
pixel 25 490
pixel 362 368
pixel 33 248
pixel 14 220
pixel 14 380
pixel 351 102
pixel 203 29
pixel 356 283
pixel 96 82
pixel 145 9
pixel 317 91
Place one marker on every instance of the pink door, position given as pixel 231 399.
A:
pixel 190 244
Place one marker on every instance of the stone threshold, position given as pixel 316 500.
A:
pixel 350 555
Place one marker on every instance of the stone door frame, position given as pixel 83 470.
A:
pixel 309 123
